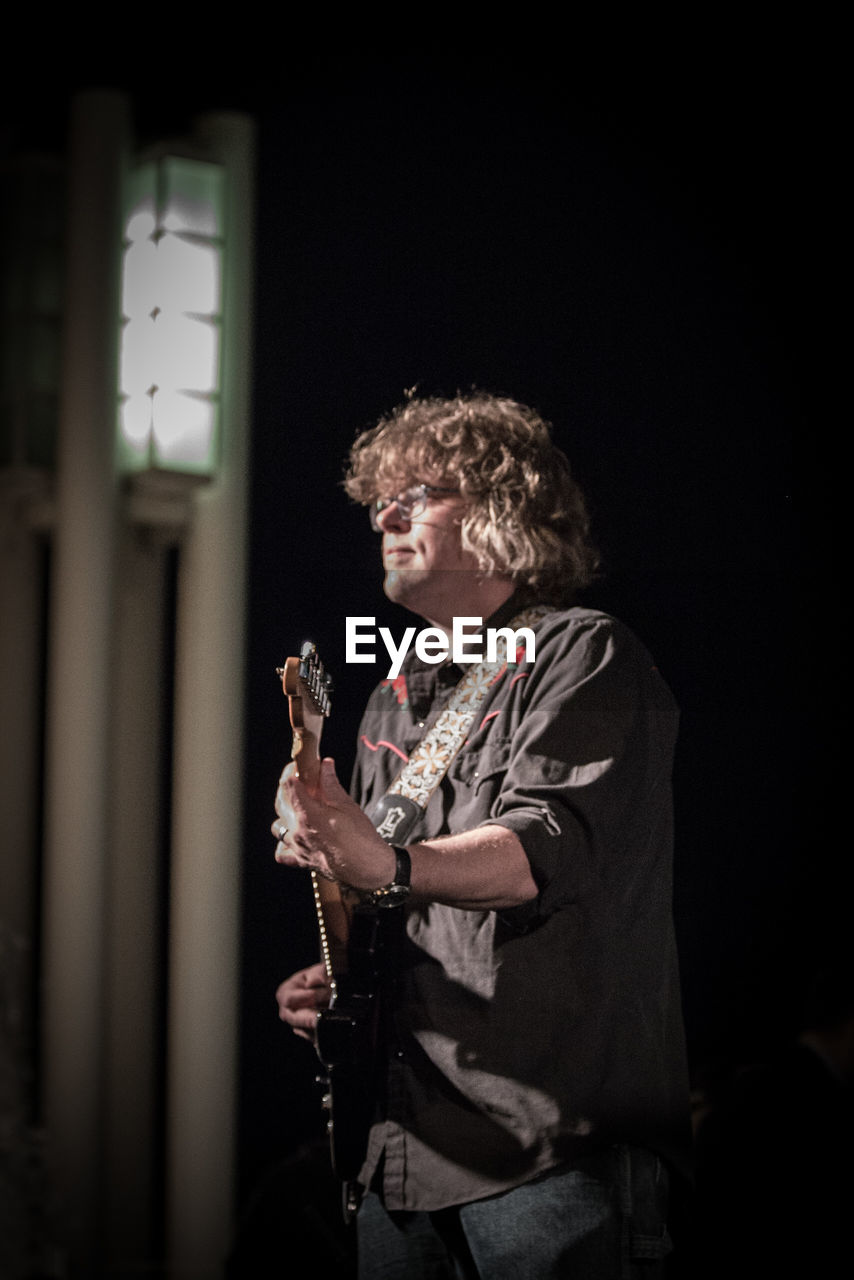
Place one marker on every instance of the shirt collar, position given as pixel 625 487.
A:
pixel 426 680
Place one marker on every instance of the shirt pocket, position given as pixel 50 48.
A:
pixel 481 767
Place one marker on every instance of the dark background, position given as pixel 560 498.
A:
pixel 628 246
pixel 624 262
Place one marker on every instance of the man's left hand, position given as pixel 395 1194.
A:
pixel 324 829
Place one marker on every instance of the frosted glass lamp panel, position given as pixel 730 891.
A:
pixel 140 278
pixel 183 430
pixel 141 203
pixel 138 356
pixel 187 353
pixel 135 427
pixel 188 275
pixel 191 197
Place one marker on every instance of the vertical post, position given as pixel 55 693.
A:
pixel 133 1015
pixel 21 609
pixel 79 674
pixel 21 648
pixel 208 765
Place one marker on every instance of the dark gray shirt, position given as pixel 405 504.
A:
pixel 524 1037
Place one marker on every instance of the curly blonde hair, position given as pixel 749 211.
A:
pixel 525 515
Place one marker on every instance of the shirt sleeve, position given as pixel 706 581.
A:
pixel 587 782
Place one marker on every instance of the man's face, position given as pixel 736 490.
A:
pixel 425 565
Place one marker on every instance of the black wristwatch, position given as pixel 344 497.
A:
pixel 396 893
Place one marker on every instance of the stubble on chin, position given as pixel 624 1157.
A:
pixel 399 584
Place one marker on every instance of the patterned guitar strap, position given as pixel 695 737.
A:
pixel 396 813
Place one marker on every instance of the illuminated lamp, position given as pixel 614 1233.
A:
pixel 171 319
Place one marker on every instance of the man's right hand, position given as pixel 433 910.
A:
pixel 301 996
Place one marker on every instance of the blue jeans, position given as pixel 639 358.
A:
pixel 602 1217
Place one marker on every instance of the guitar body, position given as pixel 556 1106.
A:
pixel 347 1034
pixel 355 944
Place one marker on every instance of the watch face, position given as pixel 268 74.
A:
pixel 391 896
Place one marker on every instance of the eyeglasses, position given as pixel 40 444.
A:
pixel 410 502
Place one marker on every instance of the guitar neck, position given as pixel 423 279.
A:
pixel 307 689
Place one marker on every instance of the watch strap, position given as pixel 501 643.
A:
pixel 397 891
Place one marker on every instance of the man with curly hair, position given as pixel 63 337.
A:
pixel 532 1100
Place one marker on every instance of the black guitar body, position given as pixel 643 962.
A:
pixel 350 1040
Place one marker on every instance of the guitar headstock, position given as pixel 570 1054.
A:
pixel 308 688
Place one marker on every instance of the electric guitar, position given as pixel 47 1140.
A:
pixel 353 948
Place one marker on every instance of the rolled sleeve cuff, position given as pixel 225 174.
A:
pixel 540 836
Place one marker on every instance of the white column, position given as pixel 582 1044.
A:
pixel 80 673
pixel 134 905
pixel 207 832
